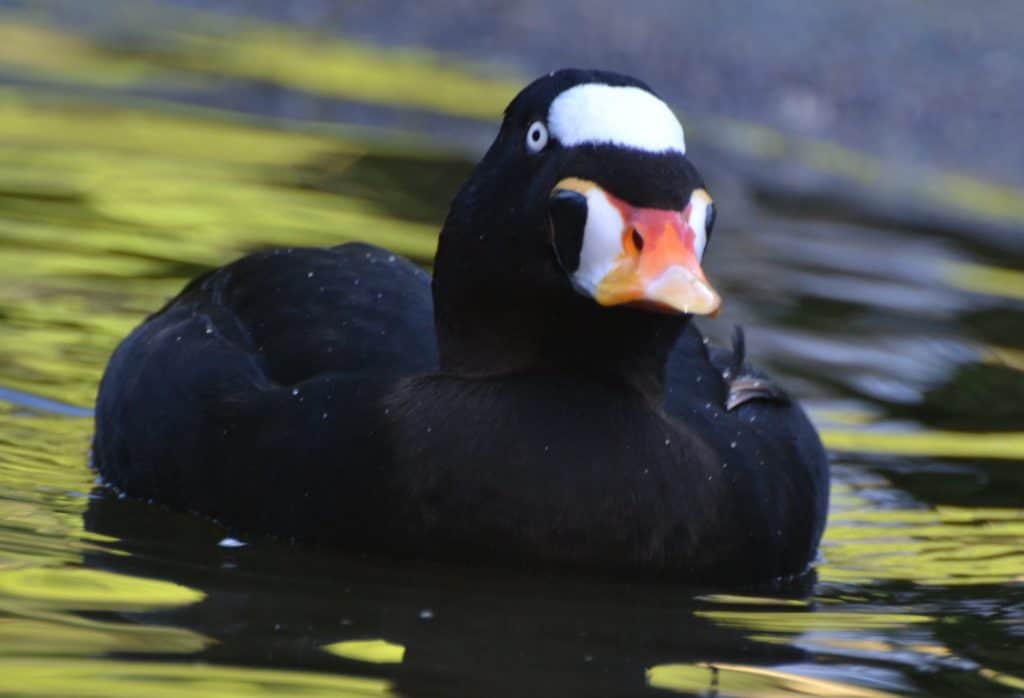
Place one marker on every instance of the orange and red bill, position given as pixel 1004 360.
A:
pixel 647 257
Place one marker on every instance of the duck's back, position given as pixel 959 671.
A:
pixel 244 396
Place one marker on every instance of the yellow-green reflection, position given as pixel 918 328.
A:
pixel 65 634
pixel 105 212
pixel 942 444
pixel 945 191
pixel 846 417
pixel 96 678
pixel 845 629
pixel 1005 283
pixel 343 68
pixel 204 47
pixel 208 46
pixel 866 544
pixel 372 651
pixel 941 546
pixel 974 195
pixel 78 588
pixel 742 681
pixel 131 196
pixel 804 621
pixel 43 481
pixel 1013 682
pixel 1005 356
pixel 45 53
pixel 744 600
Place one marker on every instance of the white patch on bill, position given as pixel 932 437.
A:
pixel 602 241
pixel 594 113
pixel 699 202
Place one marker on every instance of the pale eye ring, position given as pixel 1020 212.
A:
pixel 536 137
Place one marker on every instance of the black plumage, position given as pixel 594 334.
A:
pixel 496 414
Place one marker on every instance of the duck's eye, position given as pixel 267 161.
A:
pixel 536 137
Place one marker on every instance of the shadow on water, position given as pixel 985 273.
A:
pixel 897 323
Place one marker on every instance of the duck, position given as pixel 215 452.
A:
pixel 542 401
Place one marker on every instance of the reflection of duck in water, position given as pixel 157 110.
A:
pixel 451 630
pixel 552 406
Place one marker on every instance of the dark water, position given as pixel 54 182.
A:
pixel 125 172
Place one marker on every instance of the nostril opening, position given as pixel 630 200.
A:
pixel 638 240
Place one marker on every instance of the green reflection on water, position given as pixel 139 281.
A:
pixel 199 50
pixel 40 52
pixel 66 634
pixel 948 444
pixel 947 546
pixel 372 651
pixel 87 589
pixel 748 681
pixel 43 478
pixel 106 217
pixel 803 621
pixel 96 678
pixel 104 213
pixel 981 278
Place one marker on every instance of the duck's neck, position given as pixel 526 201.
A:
pixel 573 336
pixel 503 304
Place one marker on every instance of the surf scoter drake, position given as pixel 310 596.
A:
pixel 543 401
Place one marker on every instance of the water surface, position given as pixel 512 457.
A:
pixel 127 168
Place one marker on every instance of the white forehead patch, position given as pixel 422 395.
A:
pixel 624 116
